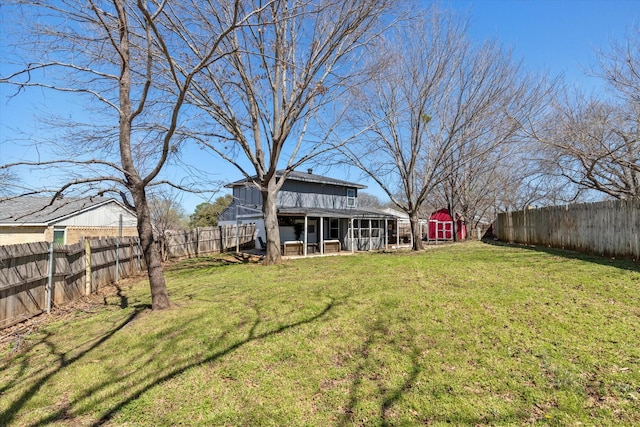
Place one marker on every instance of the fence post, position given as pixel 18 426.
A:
pixel 50 279
pixel 237 237
pixel 197 241
pixel 118 248
pixel 87 270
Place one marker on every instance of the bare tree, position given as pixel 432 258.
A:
pixel 435 104
pixel 167 215
pixel 368 200
pixel 278 105
pixel 118 57
pixel 8 182
pixel 593 142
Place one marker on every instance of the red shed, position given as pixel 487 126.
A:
pixel 441 226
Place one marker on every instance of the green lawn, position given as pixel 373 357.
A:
pixel 469 334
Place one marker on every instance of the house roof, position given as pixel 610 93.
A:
pixel 396 213
pixel 336 213
pixel 23 211
pixel 304 177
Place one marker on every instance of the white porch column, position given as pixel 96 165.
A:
pixel 352 236
pixel 321 236
pixel 370 236
pixel 386 234
pixel 304 244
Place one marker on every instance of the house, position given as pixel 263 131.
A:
pixel 404 225
pixel 316 214
pixel 65 221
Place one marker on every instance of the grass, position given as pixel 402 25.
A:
pixel 469 334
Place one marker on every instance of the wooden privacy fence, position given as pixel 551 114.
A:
pixel 200 241
pixel 610 228
pixel 35 276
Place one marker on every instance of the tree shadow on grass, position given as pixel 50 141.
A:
pixel 624 264
pixel 368 384
pixel 149 355
pixel 8 416
pixel 251 336
pixel 216 261
pixel 376 336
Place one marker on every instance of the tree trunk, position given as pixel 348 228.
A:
pixel 272 229
pixel 454 224
pixel 151 252
pixel 416 231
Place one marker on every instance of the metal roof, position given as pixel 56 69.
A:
pixel 18 211
pixel 336 213
pixel 304 177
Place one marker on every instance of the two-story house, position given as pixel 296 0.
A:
pixel 319 213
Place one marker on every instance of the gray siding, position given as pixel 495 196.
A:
pixel 296 194
pixel 249 195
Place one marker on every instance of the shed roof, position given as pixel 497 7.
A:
pixel 22 211
pixel 304 177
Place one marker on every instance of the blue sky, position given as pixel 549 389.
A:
pixel 558 36
pixel 554 36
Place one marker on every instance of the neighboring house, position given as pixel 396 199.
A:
pixel 404 225
pixel 315 213
pixel 65 221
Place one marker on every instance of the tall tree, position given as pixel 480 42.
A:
pixel 119 58
pixel 593 142
pixel 434 104
pixel 206 214
pixel 278 105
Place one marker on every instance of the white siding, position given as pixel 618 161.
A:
pixel 103 216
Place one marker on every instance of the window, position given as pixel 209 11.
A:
pixel 58 236
pixel 351 198
pixel 334 228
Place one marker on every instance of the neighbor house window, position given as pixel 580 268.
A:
pixel 351 197
pixel 58 236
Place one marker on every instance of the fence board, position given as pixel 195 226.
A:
pixel 610 228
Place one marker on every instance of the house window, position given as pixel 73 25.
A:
pixel 351 198
pixel 58 236
pixel 334 228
